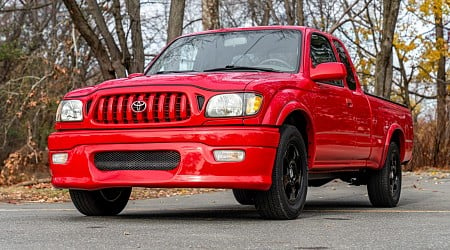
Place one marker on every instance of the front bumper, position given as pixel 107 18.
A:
pixel 197 167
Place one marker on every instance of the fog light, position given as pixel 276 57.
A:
pixel 60 158
pixel 229 155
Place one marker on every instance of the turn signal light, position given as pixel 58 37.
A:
pixel 229 155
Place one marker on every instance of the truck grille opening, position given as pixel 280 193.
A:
pixel 137 160
pixel 142 108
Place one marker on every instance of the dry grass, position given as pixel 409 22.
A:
pixel 424 146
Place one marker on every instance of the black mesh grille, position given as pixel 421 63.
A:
pixel 137 160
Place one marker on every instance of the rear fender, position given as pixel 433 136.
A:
pixel 401 141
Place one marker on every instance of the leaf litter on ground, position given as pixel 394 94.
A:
pixel 45 192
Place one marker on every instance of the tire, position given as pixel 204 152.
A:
pixel 103 202
pixel 244 196
pixel 384 186
pixel 286 197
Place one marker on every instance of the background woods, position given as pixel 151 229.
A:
pixel 400 49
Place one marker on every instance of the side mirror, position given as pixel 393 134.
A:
pixel 328 71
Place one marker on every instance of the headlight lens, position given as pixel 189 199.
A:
pixel 70 110
pixel 225 105
pixel 237 104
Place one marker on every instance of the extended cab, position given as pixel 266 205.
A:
pixel 265 111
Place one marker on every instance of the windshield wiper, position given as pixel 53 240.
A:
pixel 242 68
pixel 175 71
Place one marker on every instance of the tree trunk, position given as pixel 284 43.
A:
pixel 383 68
pixel 290 12
pixel 176 17
pixel 114 52
pixel 267 10
pixel 441 156
pixel 134 10
pixel 120 32
pixel 300 13
pixel 91 38
pixel 114 60
pixel 210 14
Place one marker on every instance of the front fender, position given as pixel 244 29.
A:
pixel 279 111
pixel 282 105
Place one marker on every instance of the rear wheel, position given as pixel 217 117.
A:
pixel 110 201
pixel 286 197
pixel 384 186
pixel 244 196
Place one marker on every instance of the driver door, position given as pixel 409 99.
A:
pixel 332 111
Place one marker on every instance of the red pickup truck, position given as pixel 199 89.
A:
pixel 265 111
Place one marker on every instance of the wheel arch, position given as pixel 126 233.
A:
pixel 397 135
pixel 299 117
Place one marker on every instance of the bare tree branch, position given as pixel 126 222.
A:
pixel 27 8
pixel 339 21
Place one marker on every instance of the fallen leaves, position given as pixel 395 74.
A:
pixel 149 193
pixel 45 192
pixel 42 192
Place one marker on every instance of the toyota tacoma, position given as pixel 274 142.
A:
pixel 264 111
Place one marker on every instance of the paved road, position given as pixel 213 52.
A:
pixel 336 216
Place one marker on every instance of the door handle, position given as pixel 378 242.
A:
pixel 322 86
pixel 349 102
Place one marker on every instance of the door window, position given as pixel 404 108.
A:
pixel 322 52
pixel 351 82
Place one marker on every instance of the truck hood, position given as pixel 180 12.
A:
pixel 217 81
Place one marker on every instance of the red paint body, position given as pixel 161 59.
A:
pixel 345 129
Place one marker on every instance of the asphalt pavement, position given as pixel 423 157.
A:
pixel 336 216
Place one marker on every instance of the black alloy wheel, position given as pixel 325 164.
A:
pixel 395 174
pixel 286 197
pixel 292 174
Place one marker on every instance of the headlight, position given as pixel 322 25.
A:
pixel 238 104
pixel 69 110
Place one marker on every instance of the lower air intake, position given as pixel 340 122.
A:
pixel 137 160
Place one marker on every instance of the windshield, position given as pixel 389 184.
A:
pixel 261 50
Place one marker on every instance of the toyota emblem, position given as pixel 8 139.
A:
pixel 138 106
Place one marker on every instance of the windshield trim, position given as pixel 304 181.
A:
pixel 300 47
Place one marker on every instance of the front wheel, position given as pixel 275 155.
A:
pixel 286 197
pixel 384 185
pixel 103 202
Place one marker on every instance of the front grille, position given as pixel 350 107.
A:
pixel 159 107
pixel 137 160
